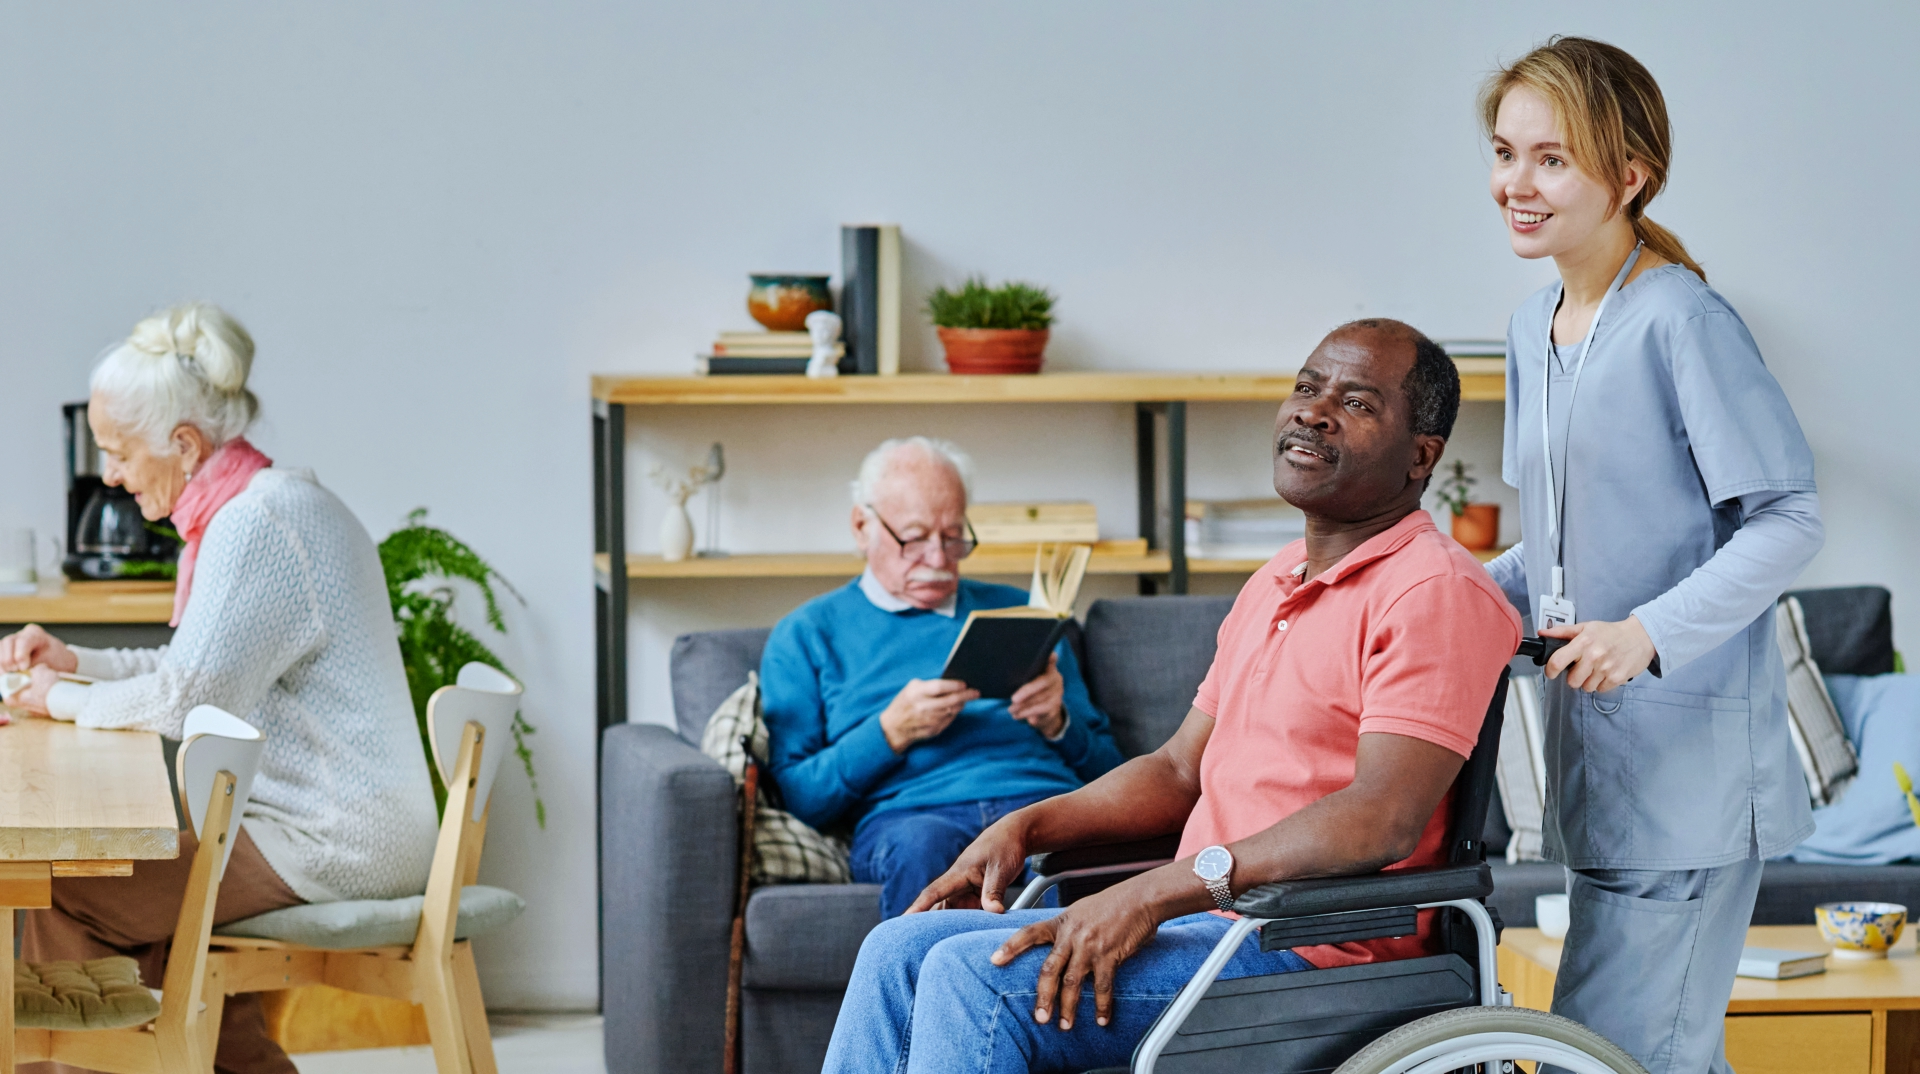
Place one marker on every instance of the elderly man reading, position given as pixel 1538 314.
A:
pixel 862 726
pixel 1348 688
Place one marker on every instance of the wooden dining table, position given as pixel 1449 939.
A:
pixel 73 802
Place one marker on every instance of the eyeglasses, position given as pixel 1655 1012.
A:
pixel 956 548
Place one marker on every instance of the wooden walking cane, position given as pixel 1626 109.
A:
pixel 736 952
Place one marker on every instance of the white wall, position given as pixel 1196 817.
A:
pixel 439 219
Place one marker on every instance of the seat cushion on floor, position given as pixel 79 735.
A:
pixel 339 926
pixel 103 993
pixel 804 937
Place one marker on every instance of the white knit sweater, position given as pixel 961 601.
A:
pixel 288 626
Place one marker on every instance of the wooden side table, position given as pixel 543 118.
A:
pixel 73 802
pixel 1859 1017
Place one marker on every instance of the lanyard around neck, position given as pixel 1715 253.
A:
pixel 1555 532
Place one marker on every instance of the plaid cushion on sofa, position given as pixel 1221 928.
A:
pixel 785 849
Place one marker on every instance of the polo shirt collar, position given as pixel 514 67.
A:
pixel 1379 546
pixel 878 596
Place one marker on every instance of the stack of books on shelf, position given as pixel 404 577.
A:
pixel 1242 529
pixel 1029 524
pixel 760 352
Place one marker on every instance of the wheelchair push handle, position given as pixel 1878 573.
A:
pixel 1540 650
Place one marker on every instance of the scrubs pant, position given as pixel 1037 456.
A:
pixel 1650 957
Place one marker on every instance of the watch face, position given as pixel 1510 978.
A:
pixel 1213 863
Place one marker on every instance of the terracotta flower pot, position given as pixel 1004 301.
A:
pixel 1478 527
pixel 994 350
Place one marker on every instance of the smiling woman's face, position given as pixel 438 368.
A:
pixel 127 459
pixel 1550 206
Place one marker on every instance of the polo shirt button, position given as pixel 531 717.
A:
pixel 1281 625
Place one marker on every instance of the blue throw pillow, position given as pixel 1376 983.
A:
pixel 1870 824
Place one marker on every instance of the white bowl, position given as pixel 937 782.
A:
pixel 1550 911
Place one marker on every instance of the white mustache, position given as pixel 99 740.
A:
pixel 928 574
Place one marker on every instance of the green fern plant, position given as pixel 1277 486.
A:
pixel 432 646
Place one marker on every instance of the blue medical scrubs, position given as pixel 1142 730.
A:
pixel 1686 493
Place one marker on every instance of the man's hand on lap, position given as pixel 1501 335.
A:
pixel 979 879
pixel 1040 704
pixel 1090 939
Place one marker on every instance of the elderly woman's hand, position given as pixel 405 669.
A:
pixel 34 697
pixel 33 646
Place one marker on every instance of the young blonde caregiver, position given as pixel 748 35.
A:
pixel 1667 498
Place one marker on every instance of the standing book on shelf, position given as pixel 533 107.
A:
pixel 1000 650
pixel 870 297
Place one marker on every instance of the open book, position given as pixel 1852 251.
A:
pixel 1000 650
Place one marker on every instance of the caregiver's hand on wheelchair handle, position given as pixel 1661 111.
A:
pixel 1600 656
pixel 978 880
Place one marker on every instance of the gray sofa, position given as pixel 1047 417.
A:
pixel 669 855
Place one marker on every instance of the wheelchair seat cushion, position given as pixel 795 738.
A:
pixel 356 923
pixel 103 993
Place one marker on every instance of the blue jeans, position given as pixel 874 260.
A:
pixel 904 850
pixel 925 999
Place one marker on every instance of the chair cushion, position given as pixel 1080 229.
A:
pixel 705 668
pixel 1145 659
pixel 805 937
pixel 355 923
pixel 104 993
pixel 1851 628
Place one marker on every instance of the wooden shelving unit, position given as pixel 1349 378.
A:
pixel 1160 407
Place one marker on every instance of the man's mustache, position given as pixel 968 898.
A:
pixel 928 574
pixel 1310 439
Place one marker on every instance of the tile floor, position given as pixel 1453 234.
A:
pixel 523 1044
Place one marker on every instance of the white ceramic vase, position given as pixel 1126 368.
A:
pixel 676 533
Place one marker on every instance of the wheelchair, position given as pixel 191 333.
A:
pixel 1441 1013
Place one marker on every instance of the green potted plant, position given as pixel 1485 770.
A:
pixel 992 329
pixel 419 560
pixel 1475 525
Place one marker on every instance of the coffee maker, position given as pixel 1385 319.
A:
pixel 106 537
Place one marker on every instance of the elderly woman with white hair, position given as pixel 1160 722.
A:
pixel 282 618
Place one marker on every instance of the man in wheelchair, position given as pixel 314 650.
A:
pixel 1348 687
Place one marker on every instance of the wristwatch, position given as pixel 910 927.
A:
pixel 1214 867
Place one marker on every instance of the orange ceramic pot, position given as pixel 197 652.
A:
pixel 994 350
pixel 1478 527
pixel 781 303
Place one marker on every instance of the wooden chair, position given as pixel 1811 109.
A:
pixel 415 948
pixel 215 769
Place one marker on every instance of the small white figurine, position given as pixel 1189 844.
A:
pixel 824 327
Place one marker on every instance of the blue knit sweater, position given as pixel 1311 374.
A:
pixel 833 666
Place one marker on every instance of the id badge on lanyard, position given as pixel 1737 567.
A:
pixel 1556 608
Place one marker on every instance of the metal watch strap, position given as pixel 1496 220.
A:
pixel 1222 891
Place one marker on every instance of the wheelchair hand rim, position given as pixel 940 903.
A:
pixel 1496 1046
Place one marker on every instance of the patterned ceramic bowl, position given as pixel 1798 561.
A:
pixel 1861 929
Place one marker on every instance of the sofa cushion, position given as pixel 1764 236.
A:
pixel 705 668
pixel 1790 889
pixel 805 936
pixel 1851 628
pixel 1145 659
pixel 1871 824
pixel 786 849
pixel 356 923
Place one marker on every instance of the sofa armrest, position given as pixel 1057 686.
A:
pixel 669 842
pixel 1158 849
pixel 1375 891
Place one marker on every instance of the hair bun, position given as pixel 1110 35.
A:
pixel 204 338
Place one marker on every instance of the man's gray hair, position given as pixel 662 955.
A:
pixel 874 467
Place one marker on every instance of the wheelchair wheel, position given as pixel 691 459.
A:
pixel 1493 1040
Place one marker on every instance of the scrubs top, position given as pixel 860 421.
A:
pixel 1676 417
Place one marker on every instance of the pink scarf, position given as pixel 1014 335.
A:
pixel 224 476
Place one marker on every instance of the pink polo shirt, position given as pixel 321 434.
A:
pixel 1405 636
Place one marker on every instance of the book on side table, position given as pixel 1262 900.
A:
pixel 1000 650
pixel 1773 964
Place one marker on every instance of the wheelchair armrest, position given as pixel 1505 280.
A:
pixel 1374 891
pixel 1158 849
